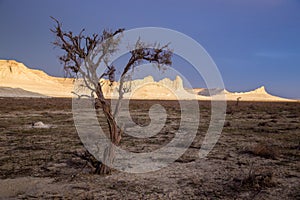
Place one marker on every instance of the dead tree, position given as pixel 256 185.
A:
pixel 237 101
pixel 82 56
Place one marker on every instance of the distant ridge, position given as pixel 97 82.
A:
pixel 18 80
pixel 16 75
pixel 18 92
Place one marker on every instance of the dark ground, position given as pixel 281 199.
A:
pixel 256 157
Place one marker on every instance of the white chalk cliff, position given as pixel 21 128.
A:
pixel 16 75
pixel 19 79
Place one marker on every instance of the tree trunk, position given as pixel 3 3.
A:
pixel 109 152
pixel 115 134
pixel 108 158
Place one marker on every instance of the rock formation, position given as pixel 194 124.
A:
pixel 21 81
pixel 16 75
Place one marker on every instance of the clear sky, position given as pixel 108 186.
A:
pixel 253 42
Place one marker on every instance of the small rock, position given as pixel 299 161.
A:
pixel 39 125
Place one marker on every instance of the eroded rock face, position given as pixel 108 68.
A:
pixel 16 75
pixel 144 88
pixel 176 84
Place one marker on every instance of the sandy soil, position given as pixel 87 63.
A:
pixel 257 156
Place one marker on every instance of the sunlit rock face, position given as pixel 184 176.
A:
pixel 147 88
pixel 16 75
pixel 37 83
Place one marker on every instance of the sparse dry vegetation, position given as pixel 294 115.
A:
pixel 263 149
pixel 256 179
pixel 46 163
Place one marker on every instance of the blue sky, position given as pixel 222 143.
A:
pixel 253 42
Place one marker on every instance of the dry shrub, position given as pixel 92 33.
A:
pixel 263 150
pixel 255 179
pixel 227 124
pixel 262 124
pixel 258 180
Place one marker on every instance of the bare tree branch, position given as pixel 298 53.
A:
pixel 83 55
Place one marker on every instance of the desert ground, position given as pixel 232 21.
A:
pixel 256 157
